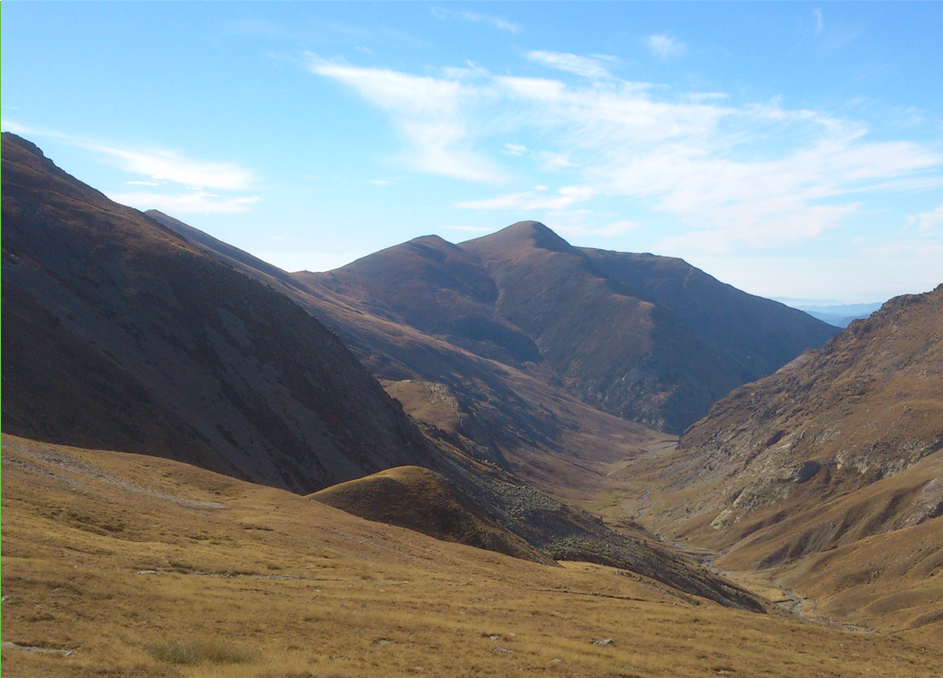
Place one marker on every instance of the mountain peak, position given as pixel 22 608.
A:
pixel 524 234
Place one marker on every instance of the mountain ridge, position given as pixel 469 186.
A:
pixel 122 335
pixel 647 351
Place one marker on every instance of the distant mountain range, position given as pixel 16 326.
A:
pixel 837 314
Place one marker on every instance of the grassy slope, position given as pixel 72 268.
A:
pixel 130 561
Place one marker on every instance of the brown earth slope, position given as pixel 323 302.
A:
pixel 425 501
pixel 867 406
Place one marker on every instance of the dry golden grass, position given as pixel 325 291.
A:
pixel 113 557
pixel 426 401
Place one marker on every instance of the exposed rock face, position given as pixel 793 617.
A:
pixel 865 407
pixel 119 334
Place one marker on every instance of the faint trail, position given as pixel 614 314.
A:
pixel 33 460
pixel 654 450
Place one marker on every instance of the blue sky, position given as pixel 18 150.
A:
pixel 790 149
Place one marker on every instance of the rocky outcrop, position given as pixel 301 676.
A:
pixel 864 408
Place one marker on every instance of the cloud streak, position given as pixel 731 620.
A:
pixel 175 167
pixel 928 221
pixel 474 17
pixel 430 113
pixel 193 202
pixel 198 177
pixel 160 165
pixel 586 67
pixel 665 47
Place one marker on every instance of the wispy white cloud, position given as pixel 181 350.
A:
pixel 703 162
pixel 587 67
pixel 928 221
pixel 173 166
pixel 192 202
pixel 197 178
pixel 431 113
pixel 474 17
pixel 550 160
pixel 666 47
pixel 819 22
pixel 159 165
pixel 16 128
pixel 534 202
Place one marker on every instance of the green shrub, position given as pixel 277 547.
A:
pixel 192 652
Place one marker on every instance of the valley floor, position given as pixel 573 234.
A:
pixel 117 564
pixel 629 495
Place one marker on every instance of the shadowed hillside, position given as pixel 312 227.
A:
pixel 119 334
pixel 518 417
pixel 756 335
pixel 614 351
